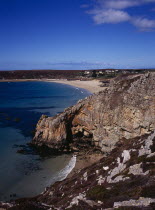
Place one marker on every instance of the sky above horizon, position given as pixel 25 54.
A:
pixel 77 34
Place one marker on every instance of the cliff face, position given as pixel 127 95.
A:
pixel 126 109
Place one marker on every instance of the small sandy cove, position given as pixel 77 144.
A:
pixel 92 86
pixel 84 160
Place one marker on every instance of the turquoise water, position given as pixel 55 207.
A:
pixel 21 105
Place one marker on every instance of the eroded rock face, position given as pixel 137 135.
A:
pixel 126 109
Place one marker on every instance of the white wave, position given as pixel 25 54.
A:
pixel 61 175
pixel 64 172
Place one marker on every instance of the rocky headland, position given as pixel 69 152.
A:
pixel 119 122
pixel 124 110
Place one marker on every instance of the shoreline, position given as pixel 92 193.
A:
pixel 93 86
pixel 83 160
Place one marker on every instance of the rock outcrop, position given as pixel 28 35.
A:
pixel 126 109
pixel 120 121
pixel 125 179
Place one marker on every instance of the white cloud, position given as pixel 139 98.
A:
pixel 144 23
pixel 114 11
pixel 120 4
pixel 110 16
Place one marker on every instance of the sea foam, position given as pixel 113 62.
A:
pixel 64 172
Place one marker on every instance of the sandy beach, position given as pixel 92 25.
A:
pixel 92 86
pixel 84 160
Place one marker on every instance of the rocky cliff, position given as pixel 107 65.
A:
pixel 120 121
pixel 126 109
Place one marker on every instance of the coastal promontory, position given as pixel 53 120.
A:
pixel 124 110
pixel 120 122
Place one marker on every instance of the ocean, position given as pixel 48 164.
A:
pixel 21 105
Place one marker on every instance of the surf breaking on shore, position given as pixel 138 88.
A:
pixel 67 170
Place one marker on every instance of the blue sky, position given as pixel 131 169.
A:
pixel 77 34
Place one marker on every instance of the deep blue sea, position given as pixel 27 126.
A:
pixel 21 105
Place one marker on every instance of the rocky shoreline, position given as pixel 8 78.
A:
pixel 119 122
